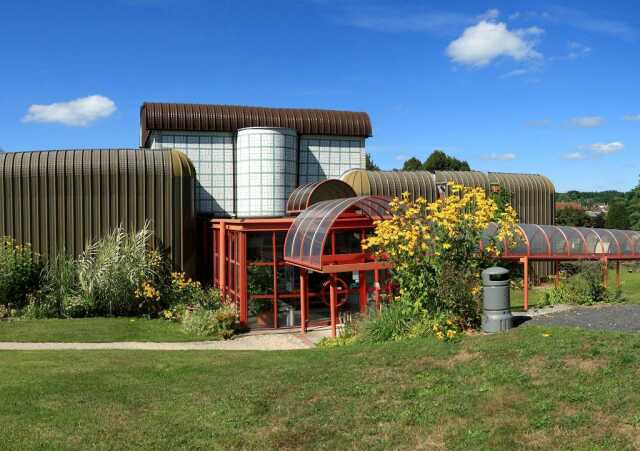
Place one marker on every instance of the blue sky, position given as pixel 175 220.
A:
pixel 537 87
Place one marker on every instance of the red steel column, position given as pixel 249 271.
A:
pixel 362 277
pixel 222 256
pixel 303 301
pixel 617 273
pixel 525 283
pixel 333 295
pixel 605 273
pixel 275 278
pixel 376 287
pixel 243 282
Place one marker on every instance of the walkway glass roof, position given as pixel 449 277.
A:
pixel 305 241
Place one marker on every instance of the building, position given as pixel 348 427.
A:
pixel 281 196
pixel 249 159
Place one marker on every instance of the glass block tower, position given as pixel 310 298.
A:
pixel 249 159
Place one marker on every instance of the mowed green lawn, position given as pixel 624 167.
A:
pixel 93 330
pixel 629 284
pixel 536 388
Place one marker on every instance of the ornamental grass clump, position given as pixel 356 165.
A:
pixel 116 273
pixel 437 256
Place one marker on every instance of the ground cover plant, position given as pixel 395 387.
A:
pixel 532 388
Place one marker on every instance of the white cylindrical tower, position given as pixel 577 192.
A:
pixel 266 171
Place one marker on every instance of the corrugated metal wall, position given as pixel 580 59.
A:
pixel 532 195
pixel 58 200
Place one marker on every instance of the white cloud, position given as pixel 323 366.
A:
pixel 587 121
pixel 499 156
pixel 77 113
pixel 574 156
pixel 482 43
pixel 632 117
pixel 515 73
pixel 401 157
pixel 605 148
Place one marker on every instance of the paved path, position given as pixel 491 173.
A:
pixel 614 317
pixel 265 341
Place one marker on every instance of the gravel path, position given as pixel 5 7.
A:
pixel 615 317
pixel 266 341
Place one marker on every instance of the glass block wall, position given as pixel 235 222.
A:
pixel 212 156
pixel 323 157
pixel 266 165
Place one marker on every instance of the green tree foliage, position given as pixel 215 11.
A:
pixel 618 217
pixel 588 198
pixel 370 165
pixel 437 161
pixel 440 161
pixel 412 164
pixel 570 214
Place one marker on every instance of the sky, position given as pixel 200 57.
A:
pixel 509 86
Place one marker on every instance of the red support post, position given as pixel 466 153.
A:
pixel 275 278
pixel 333 297
pixel 303 300
pixel 222 255
pixel 557 278
pixel 242 276
pixel 618 274
pixel 362 278
pixel 605 272
pixel 376 287
pixel 525 282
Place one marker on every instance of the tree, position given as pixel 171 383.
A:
pixel 369 164
pixel 617 216
pixel 437 161
pixel 570 214
pixel 412 164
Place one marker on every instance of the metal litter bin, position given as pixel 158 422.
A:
pixel 496 303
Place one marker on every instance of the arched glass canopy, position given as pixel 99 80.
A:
pixel 549 242
pixel 304 244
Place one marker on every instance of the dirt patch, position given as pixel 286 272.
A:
pixel 585 364
pixel 535 367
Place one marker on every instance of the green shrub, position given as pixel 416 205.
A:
pixel 220 323
pixel 393 322
pixel 19 273
pixel 59 280
pixel 182 290
pixel 116 273
pixel 583 287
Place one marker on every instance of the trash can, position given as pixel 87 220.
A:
pixel 496 303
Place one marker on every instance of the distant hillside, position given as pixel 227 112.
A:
pixel 589 198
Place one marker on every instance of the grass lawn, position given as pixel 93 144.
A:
pixel 571 389
pixel 93 330
pixel 630 286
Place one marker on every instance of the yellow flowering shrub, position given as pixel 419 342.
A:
pixel 436 252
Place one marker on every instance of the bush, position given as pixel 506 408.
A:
pixel 19 273
pixel 59 280
pixel 187 292
pixel 219 324
pixel 117 273
pixel 436 258
pixel 583 287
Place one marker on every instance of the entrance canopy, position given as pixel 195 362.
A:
pixel 305 241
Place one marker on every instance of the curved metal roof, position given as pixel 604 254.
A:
pixel 304 244
pixel 58 200
pixel 532 195
pixel 230 118
pixel 306 195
